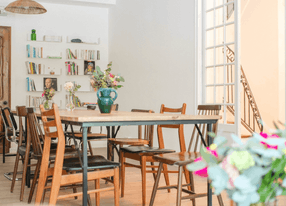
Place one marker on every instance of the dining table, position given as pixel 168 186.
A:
pixel 93 118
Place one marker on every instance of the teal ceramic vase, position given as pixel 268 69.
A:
pixel 105 100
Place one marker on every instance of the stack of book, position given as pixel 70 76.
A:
pixel 33 101
pixel 71 68
pixel 34 68
pixel 81 54
pixel 30 84
pixel 34 52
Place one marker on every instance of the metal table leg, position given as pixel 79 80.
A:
pixel 85 164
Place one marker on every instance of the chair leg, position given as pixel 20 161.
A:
pixel 153 169
pixel 122 173
pixel 193 187
pixel 15 171
pixel 26 160
pixel 187 177
pixel 220 202
pixel 4 149
pixel 143 174
pixel 90 148
pixel 116 186
pixel 179 189
pixel 97 194
pixel 156 184
pixel 37 170
pixel 166 175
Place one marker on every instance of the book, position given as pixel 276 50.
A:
pixel 28 51
pixel 28 83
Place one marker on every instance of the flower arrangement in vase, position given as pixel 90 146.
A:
pixel 105 83
pixel 252 173
pixel 71 88
pixel 47 96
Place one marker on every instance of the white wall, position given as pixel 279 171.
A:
pixel 59 20
pixel 152 45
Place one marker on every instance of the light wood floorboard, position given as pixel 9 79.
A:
pixel 132 191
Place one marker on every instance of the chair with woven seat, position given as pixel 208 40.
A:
pixel 145 153
pixel 181 159
pixel 98 167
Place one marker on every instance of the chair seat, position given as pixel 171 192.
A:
pixel 128 141
pixel 178 158
pixel 69 153
pixel 145 150
pixel 94 162
pixel 90 136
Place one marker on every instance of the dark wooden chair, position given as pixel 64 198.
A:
pixel 98 166
pixel 145 154
pixel 183 158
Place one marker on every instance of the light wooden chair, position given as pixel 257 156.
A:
pixel 98 167
pixel 183 158
pixel 145 154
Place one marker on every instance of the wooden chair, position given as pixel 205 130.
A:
pixel 90 136
pixel 145 154
pixel 147 138
pixel 98 168
pixel 183 158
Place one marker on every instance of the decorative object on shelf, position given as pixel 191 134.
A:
pixel 51 84
pixel 47 96
pixel 33 35
pixel 76 40
pixel 52 72
pixel 89 67
pixel 71 88
pixel 252 173
pixel 25 7
pixel 105 100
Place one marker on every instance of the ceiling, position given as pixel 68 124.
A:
pixel 96 3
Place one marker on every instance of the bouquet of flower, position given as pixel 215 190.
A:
pixel 71 87
pixel 48 95
pixel 105 79
pixel 251 172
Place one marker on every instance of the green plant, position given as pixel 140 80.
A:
pixel 105 79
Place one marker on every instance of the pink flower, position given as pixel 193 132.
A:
pixel 266 136
pixel 115 83
pixel 204 172
pixel 111 75
pixel 43 94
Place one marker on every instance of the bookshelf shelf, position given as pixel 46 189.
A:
pixel 45 41
pixel 82 59
pixel 45 58
pixel 82 43
pixel 47 75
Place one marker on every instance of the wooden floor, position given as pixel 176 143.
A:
pixel 132 192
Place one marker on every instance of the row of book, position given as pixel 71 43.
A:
pixel 34 52
pixel 33 101
pixel 71 68
pixel 82 54
pixel 30 84
pixel 34 68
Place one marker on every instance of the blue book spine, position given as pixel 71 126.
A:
pixel 28 84
pixel 28 51
pixel 34 52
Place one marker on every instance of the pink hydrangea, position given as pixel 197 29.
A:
pixel 204 172
pixel 266 136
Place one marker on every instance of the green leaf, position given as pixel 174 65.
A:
pixel 196 166
pixel 209 158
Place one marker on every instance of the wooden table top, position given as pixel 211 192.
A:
pixel 96 116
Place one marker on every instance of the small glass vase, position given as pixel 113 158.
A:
pixel 48 103
pixel 70 106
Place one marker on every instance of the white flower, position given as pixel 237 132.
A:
pixel 68 86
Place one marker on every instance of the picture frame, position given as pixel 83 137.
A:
pixel 89 67
pixel 50 83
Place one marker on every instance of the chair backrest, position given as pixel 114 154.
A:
pixel 34 132
pixel 54 123
pixel 181 110
pixel 195 138
pixel 21 113
pixel 10 123
pixel 148 131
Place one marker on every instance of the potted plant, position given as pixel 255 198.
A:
pixel 252 173
pixel 47 96
pixel 105 83
pixel 71 88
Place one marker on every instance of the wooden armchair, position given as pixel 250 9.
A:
pixel 183 158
